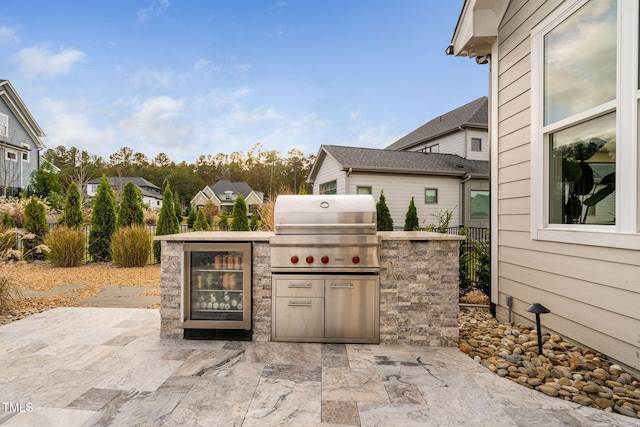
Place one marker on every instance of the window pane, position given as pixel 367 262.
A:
pixel 580 61
pixel 430 195
pixel 363 190
pixel 582 170
pixel 476 144
pixel 329 188
pixel 479 204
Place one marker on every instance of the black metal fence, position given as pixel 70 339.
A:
pixel 469 256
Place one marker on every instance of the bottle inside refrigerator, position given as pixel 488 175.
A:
pixel 217 285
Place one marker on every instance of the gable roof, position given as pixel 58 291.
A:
pixel 235 187
pixel 120 181
pixel 9 95
pixel 474 114
pixel 397 161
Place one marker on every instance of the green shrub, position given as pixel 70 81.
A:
pixel 103 222
pixel 131 246
pixel 7 221
pixel 130 211
pixel 239 220
pixel 385 222
pixel 35 223
pixel 191 219
pixel 167 221
pixel 66 246
pixel 72 212
pixel 200 223
pixel 411 218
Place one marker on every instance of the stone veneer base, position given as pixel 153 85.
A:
pixel 418 287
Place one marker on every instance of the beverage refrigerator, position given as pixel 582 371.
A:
pixel 217 291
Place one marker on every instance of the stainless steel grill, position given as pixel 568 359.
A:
pixel 325 234
pixel 325 264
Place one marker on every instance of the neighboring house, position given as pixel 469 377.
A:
pixel 565 167
pixel 20 142
pixel 438 182
pixel 224 193
pixel 463 131
pixel 151 193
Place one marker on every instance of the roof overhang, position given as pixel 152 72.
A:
pixel 21 112
pixel 364 169
pixel 477 27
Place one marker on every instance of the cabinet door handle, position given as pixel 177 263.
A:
pixel 299 285
pixel 342 286
pixel 299 303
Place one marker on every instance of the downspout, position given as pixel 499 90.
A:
pixel 346 181
pixel 464 139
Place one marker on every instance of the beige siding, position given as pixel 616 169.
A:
pixel 399 188
pixel 592 292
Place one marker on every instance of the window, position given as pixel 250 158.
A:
pixel 330 187
pixel 4 125
pixel 479 204
pixel 25 154
pixel 476 144
pixel 584 123
pixel 431 149
pixel 11 155
pixel 430 195
pixel 363 190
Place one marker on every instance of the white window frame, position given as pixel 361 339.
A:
pixel 479 143
pixel 625 233
pixel 28 153
pixel 6 119
pixel 7 152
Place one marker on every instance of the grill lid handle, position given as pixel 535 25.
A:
pixel 365 225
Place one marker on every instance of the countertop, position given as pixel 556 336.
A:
pixel 263 236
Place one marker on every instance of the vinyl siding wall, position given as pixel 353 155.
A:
pixel 399 188
pixel 483 135
pixel 17 174
pixel 593 292
pixel 330 170
pixel 454 143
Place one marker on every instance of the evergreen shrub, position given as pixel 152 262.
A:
pixel 35 223
pixel 411 218
pixel 72 211
pixel 240 221
pixel 103 222
pixel 130 210
pixel 385 222
pixel 200 223
pixel 167 221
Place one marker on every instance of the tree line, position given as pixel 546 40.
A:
pixel 264 170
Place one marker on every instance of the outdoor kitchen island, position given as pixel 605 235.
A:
pixel 418 296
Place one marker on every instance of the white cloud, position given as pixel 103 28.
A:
pixel 153 79
pixel 158 122
pixel 8 35
pixel 39 61
pixel 68 123
pixel 157 7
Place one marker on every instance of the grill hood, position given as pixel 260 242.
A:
pixel 325 214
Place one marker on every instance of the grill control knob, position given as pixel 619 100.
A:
pixel 309 259
pixel 355 259
pixel 294 259
pixel 325 259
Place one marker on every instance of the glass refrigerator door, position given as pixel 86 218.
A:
pixel 217 277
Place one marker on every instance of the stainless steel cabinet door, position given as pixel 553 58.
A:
pixel 351 308
pixel 298 318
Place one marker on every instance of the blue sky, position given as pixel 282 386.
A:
pixel 192 77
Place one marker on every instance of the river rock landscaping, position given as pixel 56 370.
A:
pixel 564 370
